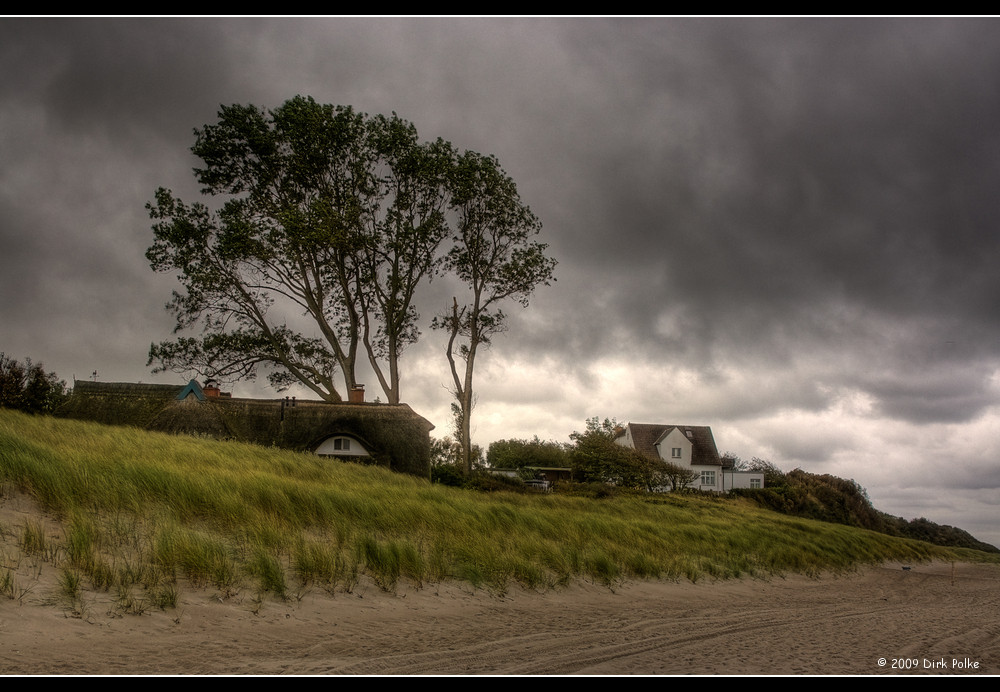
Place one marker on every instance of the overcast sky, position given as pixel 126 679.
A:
pixel 784 229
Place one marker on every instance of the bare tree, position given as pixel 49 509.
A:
pixel 495 256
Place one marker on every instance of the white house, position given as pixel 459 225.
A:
pixel 690 446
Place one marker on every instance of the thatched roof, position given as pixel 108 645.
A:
pixel 703 452
pixel 394 434
pixel 119 403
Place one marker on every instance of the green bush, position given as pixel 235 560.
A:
pixel 596 457
pixel 487 482
pixel 27 387
pixel 448 474
pixel 516 454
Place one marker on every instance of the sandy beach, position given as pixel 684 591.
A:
pixel 885 620
pixel 932 618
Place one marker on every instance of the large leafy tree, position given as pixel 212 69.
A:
pixel 400 243
pixel 496 257
pixel 321 211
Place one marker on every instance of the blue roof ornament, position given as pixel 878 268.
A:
pixel 192 388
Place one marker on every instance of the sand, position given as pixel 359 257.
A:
pixel 930 619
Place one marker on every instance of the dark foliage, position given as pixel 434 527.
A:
pixel 448 474
pixel 840 501
pixel 596 490
pixel 449 451
pixel 318 210
pixel 596 457
pixel 923 530
pixel 821 497
pixel 484 481
pixel 517 454
pixel 27 387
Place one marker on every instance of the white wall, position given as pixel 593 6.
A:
pixel 741 479
pixel 675 440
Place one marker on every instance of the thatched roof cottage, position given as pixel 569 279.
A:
pixel 390 435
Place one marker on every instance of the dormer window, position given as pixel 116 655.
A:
pixel 341 446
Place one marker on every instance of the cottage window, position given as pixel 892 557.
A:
pixel 755 483
pixel 342 446
pixel 675 453
pixel 708 478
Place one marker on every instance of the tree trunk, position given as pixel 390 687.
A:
pixel 463 385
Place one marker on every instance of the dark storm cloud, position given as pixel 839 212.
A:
pixel 128 77
pixel 829 172
pixel 771 188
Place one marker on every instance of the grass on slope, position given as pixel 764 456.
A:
pixel 138 510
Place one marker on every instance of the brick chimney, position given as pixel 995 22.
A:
pixel 357 394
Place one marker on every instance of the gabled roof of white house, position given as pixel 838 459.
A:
pixel 645 437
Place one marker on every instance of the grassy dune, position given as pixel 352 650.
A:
pixel 135 511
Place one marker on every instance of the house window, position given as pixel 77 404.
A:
pixel 708 478
pixel 342 446
pixel 675 453
pixel 755 483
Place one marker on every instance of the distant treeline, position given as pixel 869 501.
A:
pixel 829 498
